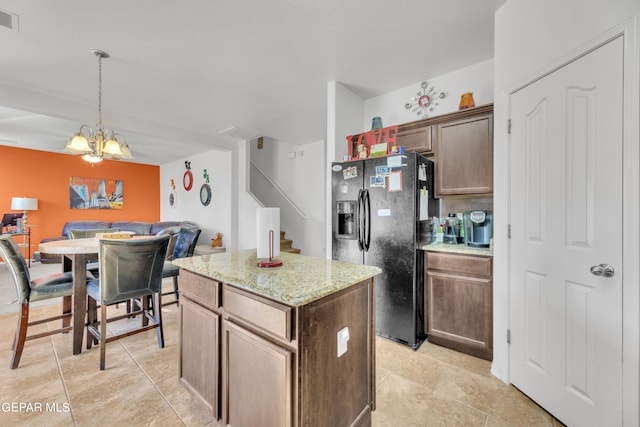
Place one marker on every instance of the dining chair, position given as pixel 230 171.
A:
pixel 92 265
pixel 39 289
pixel 130 269
pixel 184 246
pixel 86 233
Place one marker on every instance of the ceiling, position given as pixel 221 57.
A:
pixel 180 72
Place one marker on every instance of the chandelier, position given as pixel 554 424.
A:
pixel 101 143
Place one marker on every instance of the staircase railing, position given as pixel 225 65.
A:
pixel 267 192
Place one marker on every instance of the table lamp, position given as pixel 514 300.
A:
pixel 267 227
pixel 25 204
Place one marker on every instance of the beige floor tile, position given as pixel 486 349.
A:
pixel 407 363
pixel 432 386
pixel 185 406
pixel 413 404
pixel 461 360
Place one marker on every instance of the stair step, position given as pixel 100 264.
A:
pixel 286 245
pixel 291 250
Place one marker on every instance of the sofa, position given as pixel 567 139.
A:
pixel 137 227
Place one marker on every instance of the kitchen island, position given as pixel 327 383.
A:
pixel 286 346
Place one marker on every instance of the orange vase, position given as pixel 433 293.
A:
pixel 466 101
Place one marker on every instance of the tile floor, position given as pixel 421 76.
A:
pixel 433 386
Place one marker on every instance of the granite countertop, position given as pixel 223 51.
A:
pixel 300 280
pixel 457 249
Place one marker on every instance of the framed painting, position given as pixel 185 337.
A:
pixel 95 193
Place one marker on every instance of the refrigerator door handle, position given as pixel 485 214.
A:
pixel 367 220
pixel 359 219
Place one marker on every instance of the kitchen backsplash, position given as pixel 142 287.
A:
pixel 459 205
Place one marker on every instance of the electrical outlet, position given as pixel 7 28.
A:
pixel 343 338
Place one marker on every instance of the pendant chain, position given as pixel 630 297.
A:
pixel 99 92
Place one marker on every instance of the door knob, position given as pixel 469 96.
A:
pixel 604 270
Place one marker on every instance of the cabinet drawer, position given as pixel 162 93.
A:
pixel 464 264
pixel 415 139
pixel 262 313
pixel 200 289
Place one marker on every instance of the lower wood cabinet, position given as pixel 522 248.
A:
pixel 257 362
pixel 458 302
pixel 256 380
pixel 199 347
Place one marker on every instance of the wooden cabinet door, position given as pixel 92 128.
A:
pixel 464 156
pixel 199 350
pixel 459 313
pixel 256 380
pixel 415 140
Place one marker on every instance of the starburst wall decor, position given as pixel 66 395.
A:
pixel 425 100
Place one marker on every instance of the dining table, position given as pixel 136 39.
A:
pixel 75 255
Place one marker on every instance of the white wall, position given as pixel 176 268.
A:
pixel 214 218
pixel 477 78
pixel 345 110
pixel 244 205
pixel 531 36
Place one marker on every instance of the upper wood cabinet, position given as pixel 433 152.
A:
pixel 416 139
pixel 463 149
pixel 461 144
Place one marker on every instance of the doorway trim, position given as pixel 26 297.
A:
pixel 630 214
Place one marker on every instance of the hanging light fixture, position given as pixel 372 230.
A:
pixel 103 143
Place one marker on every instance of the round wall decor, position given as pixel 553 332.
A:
pixel 425 100
pixel 187 178
pixel 205 194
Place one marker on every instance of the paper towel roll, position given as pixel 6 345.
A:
pixel 267 219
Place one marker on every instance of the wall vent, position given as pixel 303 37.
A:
pixel 9 20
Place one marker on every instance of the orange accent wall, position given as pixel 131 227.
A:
pixel 45 176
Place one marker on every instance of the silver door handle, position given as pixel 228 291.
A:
pixel 604 270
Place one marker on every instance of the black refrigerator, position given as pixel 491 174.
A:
pixel 382 210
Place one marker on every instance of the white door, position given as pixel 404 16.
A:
pixel 566 221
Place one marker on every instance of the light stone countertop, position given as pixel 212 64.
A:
pixel 457 249
pixel 300 280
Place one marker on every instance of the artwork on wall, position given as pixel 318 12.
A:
pixel 95 193
pixel 173 196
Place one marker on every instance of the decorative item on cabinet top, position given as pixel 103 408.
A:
pixel 466 101
pixel 374 142
pixel 376 123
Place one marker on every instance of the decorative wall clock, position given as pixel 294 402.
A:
pixel 187 178
pixel 205 190
pixel 425 100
